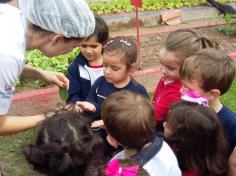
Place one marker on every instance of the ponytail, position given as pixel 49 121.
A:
pixel 207 43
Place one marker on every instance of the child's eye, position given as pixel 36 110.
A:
pixel 94 46
pixel 84 46
pixel 115 68
pixel 171 68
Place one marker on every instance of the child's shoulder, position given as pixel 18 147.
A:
pixel 164 162
pixel 101 81
pixel 135 83
pixel 80 59
pixel 226 112
pixel 138 87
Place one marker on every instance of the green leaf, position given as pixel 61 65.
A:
pixel 63 94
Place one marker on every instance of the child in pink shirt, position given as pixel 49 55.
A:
pixel 179 45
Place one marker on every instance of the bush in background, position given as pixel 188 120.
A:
pixel 36 59
pixel 121 6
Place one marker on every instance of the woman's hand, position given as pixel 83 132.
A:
pixel 46 76
pixel 56 78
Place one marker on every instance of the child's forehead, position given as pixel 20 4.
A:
pixel 169 57
pixel 91 39
pixel 114 54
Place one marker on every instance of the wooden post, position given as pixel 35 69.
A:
pixel 137 4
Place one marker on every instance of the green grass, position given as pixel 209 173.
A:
pixel 14 164
pixel 229 98
pixel 11 158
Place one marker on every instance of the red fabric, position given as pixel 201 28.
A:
pixel 164 96
pixel 190 173
pixel 136 3
pixel 96 66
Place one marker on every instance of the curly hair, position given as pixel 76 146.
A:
pixel 65 145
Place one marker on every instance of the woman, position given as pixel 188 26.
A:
pixel 54 27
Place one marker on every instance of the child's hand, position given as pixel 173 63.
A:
pixel 81 106
pixel 97 124
pixel 70 107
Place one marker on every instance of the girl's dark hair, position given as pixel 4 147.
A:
pixel 198 138
pixel 64 145
pixel 124 47
pixel 101 30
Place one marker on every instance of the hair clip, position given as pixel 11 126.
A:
pixel 125 42
pixel 194 97
pixel 109 42
pixel 115 169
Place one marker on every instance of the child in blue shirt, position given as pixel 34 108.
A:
pixel 119 58
pixel 209 74
pixel 87 66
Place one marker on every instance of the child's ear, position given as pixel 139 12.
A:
pixel 213 94
pixel 112 141
pixel 133 67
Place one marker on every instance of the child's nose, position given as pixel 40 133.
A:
pixel 106 70
pixel 88 50
pixel 163 69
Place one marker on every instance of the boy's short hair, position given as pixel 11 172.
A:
pixel 129 118
pixel 211 67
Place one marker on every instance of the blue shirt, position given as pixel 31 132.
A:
pixel 228 121
pixel 81 77
pixel 101 89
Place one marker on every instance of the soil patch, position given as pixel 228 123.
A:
pixel 150 45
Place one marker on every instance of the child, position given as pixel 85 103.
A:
pixel 87 66
pixel 209 74
pixel 129 120
pixel 197 137
pixel 119 58
pixel 126 167
pixel 179 45
pixel 64 146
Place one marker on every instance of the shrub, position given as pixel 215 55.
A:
pixel 119 6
